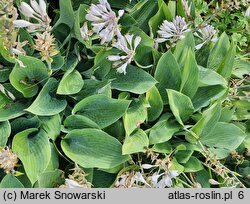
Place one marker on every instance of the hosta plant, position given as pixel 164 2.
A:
pixel 108 93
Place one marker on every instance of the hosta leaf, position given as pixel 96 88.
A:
pixel 218 53
pixel 101 109
pixel 156 104
pixel 66 14
pixel 224 135
pixel 193 165
pixel 180 104
pixel 10 181
pixel 162 131
pixel 71 83
pixel 205 95
pixel 93 148
pixel 136 142
pixel 135 81
pixel 168 74
pixel 10 110
pixel 51 179
pixel 79 122
pixel 190 75
pixel 54 160
pixel 24 79
pixel 5 130
pixel 23 123
pixel 240 68
pixel 51 125
pixel 183 156
pixel 47 102
pixel 207 122
pixel 182 48
pixel 226 66
pixel 162 14
pixel 208 77
pixel 33 149
pixel 142 13
pixel 135 115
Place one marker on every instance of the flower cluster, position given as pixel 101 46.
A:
pixel 8 34
pixel 104 21
pixel 206 34
pixel 172 31
pixel 128 47
pixel 37 12
pixel 105 24
pixel 44 42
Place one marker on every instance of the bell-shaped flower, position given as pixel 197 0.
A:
pixel 206 34
pixel 172 31
pixel 104 21
pixel 36 11
pixel 128 46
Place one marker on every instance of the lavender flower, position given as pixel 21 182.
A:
pixel 206 34
pixel 36 11
pixel 172 31
pixel 128 46
pixel 85 32
pixel 104 21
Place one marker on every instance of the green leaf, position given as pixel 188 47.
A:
pixel 93 148
pixel 205 95
pixel 142 12
pixel 10 110
pixel 101 109
pixel 54 160
pixel 47 102
pixel 79 122
pixel 71 83
pixel 79 18
pixel 51 125
pixel 23 123
pixel 162 14
pixel 182 48
pixel 4 74
pixel 208 77
pixel 193 165
pixel 51 179
pixel 182 156
pixel 164 147
pixel 156 104
pixel 218 52
pixel 135 115
pixel 24 79
pixel 136 142
pixel 226 66
pixel 181 105
pixel 10 181
pixel 162 131
pixel 135 80
pixel 240 68
pixel 190 75
pixel 66 14
pixel 224 135
pixel 33 149
pixel 5 130
pixel 168 74
pixel 207 122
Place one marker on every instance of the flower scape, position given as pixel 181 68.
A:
pixel 124 94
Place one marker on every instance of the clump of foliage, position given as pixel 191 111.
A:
pixel 108 93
